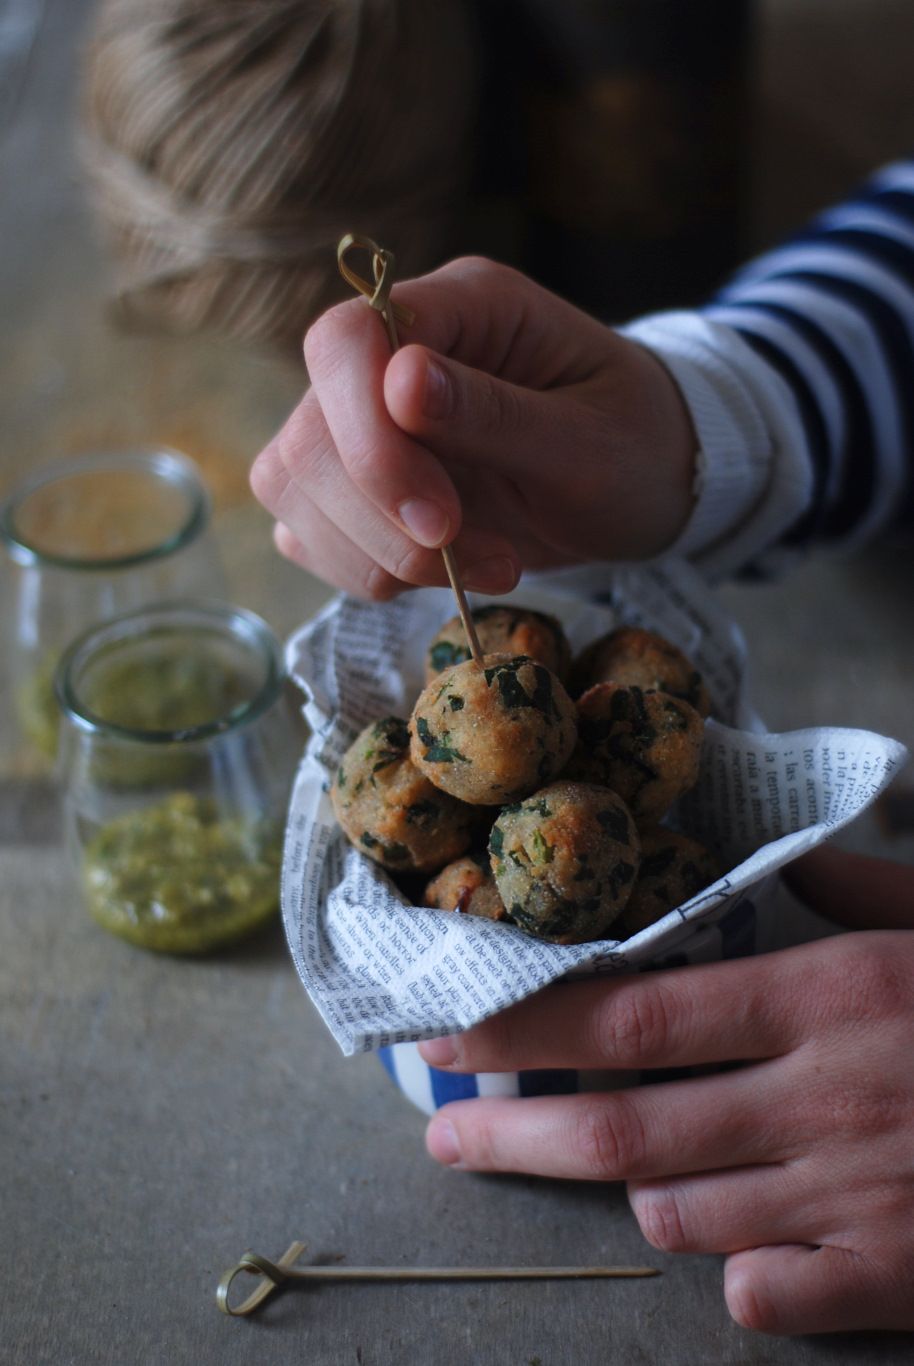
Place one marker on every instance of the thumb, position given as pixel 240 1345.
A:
pixel 472 415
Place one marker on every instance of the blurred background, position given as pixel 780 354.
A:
pixel 175 176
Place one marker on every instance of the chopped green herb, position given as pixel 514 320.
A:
pixel 422 813
pixel 456 703
pixel 542 698
pixel 615 823
pixel 438 751
pixel 620 876
pixel 584 873
pixel 385 758
pixel 543 851
pixel 395 853
pixel 392 731
pixel 496 841
pixel 444 653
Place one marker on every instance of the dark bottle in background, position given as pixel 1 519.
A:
pixel 611 143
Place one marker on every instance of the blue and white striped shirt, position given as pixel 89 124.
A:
pixel 799 376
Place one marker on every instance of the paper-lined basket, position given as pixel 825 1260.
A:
pixel 383 972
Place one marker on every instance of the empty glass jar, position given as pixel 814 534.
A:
pixel 177 751
pixel 90 538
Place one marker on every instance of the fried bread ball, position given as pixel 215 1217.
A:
pixel 640 659
pixel 492 735
pixel 502 630
pixel 565 861
pixel 644 745
pixel 466 885
pixel 673 868
pixel 390 811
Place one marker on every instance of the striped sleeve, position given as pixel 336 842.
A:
pixel 799 377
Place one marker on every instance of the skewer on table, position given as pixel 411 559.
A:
pixel 279 1273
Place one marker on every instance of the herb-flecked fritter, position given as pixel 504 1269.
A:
pixel 673 868
pixel 390 811
pixel 492 735
pixel 565 861
pixel 466 885
pixel 502 630
pixel 640 659
pixel 644 745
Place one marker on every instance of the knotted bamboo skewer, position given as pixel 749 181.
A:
pixel 275 1275
pixel 378 297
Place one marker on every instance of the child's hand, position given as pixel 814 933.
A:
pixel 799 1164
pixel 509 420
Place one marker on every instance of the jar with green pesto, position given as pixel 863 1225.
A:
pixel 178 747
pixel 88 538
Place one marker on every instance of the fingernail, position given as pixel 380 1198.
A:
pixel 438 1052
pixel 436 399
pixel 425 521
pixel 497 575
pixel 441 1140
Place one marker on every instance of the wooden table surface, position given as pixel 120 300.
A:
pixel 159 1117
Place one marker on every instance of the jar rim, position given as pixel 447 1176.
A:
pixel 237 622
pixel 169 465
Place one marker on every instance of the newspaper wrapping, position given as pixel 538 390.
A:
pixel 383 972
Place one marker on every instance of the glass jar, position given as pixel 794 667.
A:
pixel 90 538
pixel 177 752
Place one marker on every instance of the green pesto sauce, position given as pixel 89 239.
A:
pixel 177 690
pixel 180 878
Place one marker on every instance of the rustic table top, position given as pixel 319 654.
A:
pixel 159 1117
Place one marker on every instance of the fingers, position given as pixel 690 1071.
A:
pixel 492 319
pixel 489 316
pixel 464 413
pixel 301 480
pixel 722 1211
pixel 323 544
pixel 797 1289
pixel 713 1013
pixel 347 352
pixel 649 1131
pixel 863 893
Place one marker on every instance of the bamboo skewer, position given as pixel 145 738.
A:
pixel 378 297
pixel 277 1274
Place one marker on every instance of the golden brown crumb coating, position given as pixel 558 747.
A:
pixel 644 745
pixel 390 811
pixel 673 868
pixel 565 861
pixel 640 659
pixel 466 885
pixel 491 735
pixel 502 630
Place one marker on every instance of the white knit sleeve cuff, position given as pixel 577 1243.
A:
pixel 753 469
